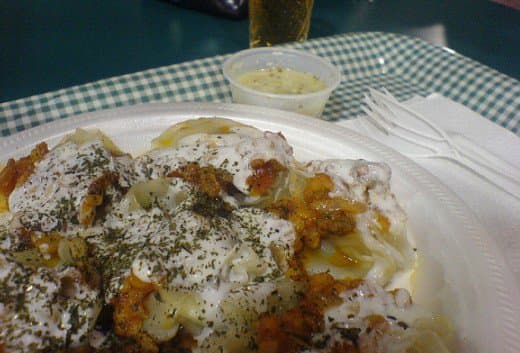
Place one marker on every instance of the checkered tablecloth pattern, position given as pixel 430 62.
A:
pixel 405 66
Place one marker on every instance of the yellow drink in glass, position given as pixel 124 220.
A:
pixel 278 21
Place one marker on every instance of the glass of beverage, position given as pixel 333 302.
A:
pixel 278 21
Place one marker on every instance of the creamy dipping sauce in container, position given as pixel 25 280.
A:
pixel 280 78
pixel 281 81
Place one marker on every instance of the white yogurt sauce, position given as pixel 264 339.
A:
pixel 51 199
pixel 232 152
pixel 205 257
pixel 369 183
pixel 36 304
pixel 404 322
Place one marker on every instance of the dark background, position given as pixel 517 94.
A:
pixel 50 44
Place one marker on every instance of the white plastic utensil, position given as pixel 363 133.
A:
pixel 390 116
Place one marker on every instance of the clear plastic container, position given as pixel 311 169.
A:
pixel 279 58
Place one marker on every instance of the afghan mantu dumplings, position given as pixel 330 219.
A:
pixel 215 240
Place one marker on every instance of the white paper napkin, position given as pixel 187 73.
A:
pixel 496 210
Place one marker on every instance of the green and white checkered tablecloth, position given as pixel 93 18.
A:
pixel 405 66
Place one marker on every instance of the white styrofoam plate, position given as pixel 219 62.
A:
pixel 461 272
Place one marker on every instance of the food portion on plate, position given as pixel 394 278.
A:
pixel 215 240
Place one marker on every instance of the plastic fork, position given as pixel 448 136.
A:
pixel 385 112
